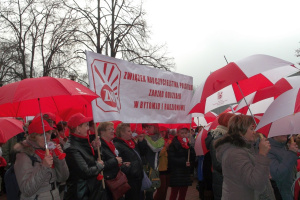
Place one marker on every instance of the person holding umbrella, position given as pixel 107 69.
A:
pixel 245 172
pixel 85 169
pixel 282 167
pixel 37 171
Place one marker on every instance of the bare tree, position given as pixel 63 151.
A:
pixel 44 33
pixel 123 33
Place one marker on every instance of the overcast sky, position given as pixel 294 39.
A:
pixel 199 33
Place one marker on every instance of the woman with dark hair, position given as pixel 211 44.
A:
pixel 245 173
pixel 180 164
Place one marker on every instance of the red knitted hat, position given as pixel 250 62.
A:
pixel 224 118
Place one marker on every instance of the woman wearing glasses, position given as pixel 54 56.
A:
pixel 110 154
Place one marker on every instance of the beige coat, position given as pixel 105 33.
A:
pixel 35 180
pixel 245 175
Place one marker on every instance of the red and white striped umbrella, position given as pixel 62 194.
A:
pixel 282 117
pixel 222 87
pixel 200 147
pixel 261 99
pixel 201 120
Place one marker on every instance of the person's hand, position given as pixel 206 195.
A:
pixel 127 164
pixel 264 146
pixel 59 148
pixel 188 164
pixel 293 147
pixel 101 162
pixel 48 161
pixel 96 143
pixel 119 159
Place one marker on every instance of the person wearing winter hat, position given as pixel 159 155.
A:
pixel 85 169
pixel 180 163
pixel 37 170
pixel 212 136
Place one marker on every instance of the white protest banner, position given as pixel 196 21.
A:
pixel 137 94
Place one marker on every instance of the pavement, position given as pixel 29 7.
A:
pixel 192 193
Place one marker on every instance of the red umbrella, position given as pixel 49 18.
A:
pixel 9 127
pixel 283 116
pixel 268 94
pixel 39 95
pixel 224 86
pixel 22 98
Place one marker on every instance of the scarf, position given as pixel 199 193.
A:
pixel 184 144
pixel 85 137
pixel 155 146
pixel 130 143
pixel 41 153
pixel 111 146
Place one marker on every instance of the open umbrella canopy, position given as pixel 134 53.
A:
pixel 223 86
pixel 282 116
pixel 200 119
pixel 9 127
pixel 22 98
pixel 268 94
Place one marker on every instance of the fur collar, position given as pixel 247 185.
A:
pixel 26 146
pixel 219 130
pixel 234 139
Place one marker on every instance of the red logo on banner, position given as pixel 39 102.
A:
pixel 106 77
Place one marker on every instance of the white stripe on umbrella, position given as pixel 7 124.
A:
pixel 272 92
pixel 200 119
pixel 284 110
pixel 257 67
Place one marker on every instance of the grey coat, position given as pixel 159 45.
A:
pixel 35 180
pixel 245 175
pixel 282 168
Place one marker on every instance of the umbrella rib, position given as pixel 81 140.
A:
pixel 55 104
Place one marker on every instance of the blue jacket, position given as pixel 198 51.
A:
pixel 282 168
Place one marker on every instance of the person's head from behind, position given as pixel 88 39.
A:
pixel 36 132
pixel 242 125
pixel 79 124
pixel 106 130
pixel 224 118
pixel 281 138
pixel 124 131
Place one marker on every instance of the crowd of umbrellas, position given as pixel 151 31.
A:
pixel 258 85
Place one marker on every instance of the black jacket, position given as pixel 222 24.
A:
pixel 135 170
pixel 111 167
pixel 82 182
pixel 180 174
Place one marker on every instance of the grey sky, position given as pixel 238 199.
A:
pixel 199 33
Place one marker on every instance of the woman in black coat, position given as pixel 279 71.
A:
pixel 180 168
pixel 84 168
pixel 109 153
pixel 130 156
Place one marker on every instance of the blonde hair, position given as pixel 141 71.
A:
pixel 103 126
pixel 121 127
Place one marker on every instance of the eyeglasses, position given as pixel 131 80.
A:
pixel 110 129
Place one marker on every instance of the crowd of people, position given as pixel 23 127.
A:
pixel 81 160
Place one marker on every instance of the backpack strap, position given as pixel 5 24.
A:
pixel 33 159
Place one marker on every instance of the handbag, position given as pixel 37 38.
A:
pixel 154 178
pixel 118 186
pixel 146 183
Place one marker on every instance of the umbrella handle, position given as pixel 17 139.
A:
pixel 47 152
pixel 99 155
